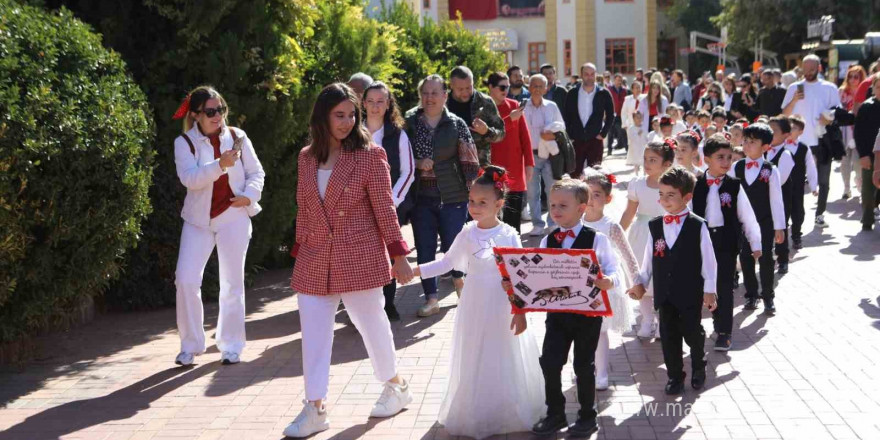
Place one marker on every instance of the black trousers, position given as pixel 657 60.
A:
pixel 765 263
pixel 870 196
pixel 677 324
pixel 617 133
pixel 563 329
pixel 513 207
pixel 389 291
pixel 722 317
pixel 824 170
pixel 782 249
pixel 798 212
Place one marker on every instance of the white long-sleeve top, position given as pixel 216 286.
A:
pixel 604 252
pixel 777 208
pixel 812 172
pixel 786 162
pixel 744 211
pixel 709 267
pixel 401 187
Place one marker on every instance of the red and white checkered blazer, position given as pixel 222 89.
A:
pixel 344 243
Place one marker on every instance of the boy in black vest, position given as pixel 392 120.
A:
pixel 724 204
pixel 782 160
pixel 681 265
pixel 763 185
pixel 804 172
pixel 568 202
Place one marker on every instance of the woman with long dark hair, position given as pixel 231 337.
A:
pixel 386 127
pixel 346 234
pixel 224 181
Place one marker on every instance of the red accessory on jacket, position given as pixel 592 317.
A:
pixel 183 110
pixel 559 236
pixel 727 135
pixel 611 178
pixel 670 142
pixel 668 219
pixel 659 248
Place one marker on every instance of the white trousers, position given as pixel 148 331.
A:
pixel 231 233
pixel 602 354
pixel 366 308
pixel 646 307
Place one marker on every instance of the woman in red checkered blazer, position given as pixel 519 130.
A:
pixel 347 232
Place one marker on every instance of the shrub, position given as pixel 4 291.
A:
pixel 75 166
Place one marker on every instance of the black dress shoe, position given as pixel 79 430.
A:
pixel 769 308
pixel 751 304
pixel 783 268
pixel 675 386
pixel 797 243
pixel 583 428
pixel 550 424
pixel 699 379
pixel 722 343
pixel 393 316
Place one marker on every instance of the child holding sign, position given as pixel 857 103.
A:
pixel 494 385
pixel 680 243
pixel 600 185
pixel 568 203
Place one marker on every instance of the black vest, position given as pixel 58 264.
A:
pixel 799 172
pixel 727 236
pixel 584 239
pixel 677 271
pixel 391 144
pixel 787 186
pixel 758 191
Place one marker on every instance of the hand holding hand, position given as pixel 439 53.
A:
pixel 401 270
pixel 757 254
pixel 425 164
pixel 636 292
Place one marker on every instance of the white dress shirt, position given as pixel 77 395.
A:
pixel 604 252
pixel 709 269
pixel 777 208
pixel 401 187
pixel 585 103
pixel 812 172
pixel 786 162
pixel 539 117
pixel 744 211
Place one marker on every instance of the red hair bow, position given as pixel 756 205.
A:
pixel 695 135
pixel 501 181
pixel 745 125
pixel 183 110
pixel 670 142
pixel 481 172
pixel 611 178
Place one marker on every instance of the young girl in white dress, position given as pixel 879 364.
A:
pixel 644 204
pixel 637 138
pixel 621 321
pixel 495 381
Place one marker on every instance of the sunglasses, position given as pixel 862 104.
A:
pixel 503 88
pixel 211 112
pixel 854 77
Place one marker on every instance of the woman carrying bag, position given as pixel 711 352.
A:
pixel 224 180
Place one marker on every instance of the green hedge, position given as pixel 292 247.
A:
pixel 75 166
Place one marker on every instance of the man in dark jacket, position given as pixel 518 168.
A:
pixel 477 110
pixel 770 96
pixel 555 92
pixel 588 115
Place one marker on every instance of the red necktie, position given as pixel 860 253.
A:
pixel 668 219
pixel 714 181
pixel 752 164
pixel 560 236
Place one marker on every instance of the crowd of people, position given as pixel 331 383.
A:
pixel 722 170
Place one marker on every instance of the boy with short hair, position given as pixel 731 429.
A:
pixel 681 244
pixel 719 118
pixel 704 118
pixel 723 202
pixel 804 172
pixel 567 205
pixel 762 183
pixel 783 160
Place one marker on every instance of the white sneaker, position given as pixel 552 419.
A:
pixel 308 422
pixel 601 383
pixel 820 221
pixel 393 399
pixel 428 309
pixel 537 232
pixel 229 358
pixel 184 359
pixel 645 332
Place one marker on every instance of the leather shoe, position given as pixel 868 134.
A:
pixel 751 304
pixel 675 386
pixel 583 428
pixel 550 424
pixel 769 308
pixel 699 379
pixel 783 268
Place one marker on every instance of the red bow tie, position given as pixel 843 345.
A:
pixel 752 164
pixel 560 236
pixel 714 181
pixel 668 219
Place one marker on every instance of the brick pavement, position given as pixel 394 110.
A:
pixel 808 373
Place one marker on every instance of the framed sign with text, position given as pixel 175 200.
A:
pixel 553 280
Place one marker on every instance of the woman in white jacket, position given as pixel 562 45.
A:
pixel 652 104
pixel 630 105
pixel 224 180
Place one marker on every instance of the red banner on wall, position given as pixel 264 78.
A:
pixel 473 10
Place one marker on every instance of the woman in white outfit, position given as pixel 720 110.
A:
pixel 224 180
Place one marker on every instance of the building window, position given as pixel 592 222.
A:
pixel 536 56
pixel 566 54
pixel 426 4
pixel 620 55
